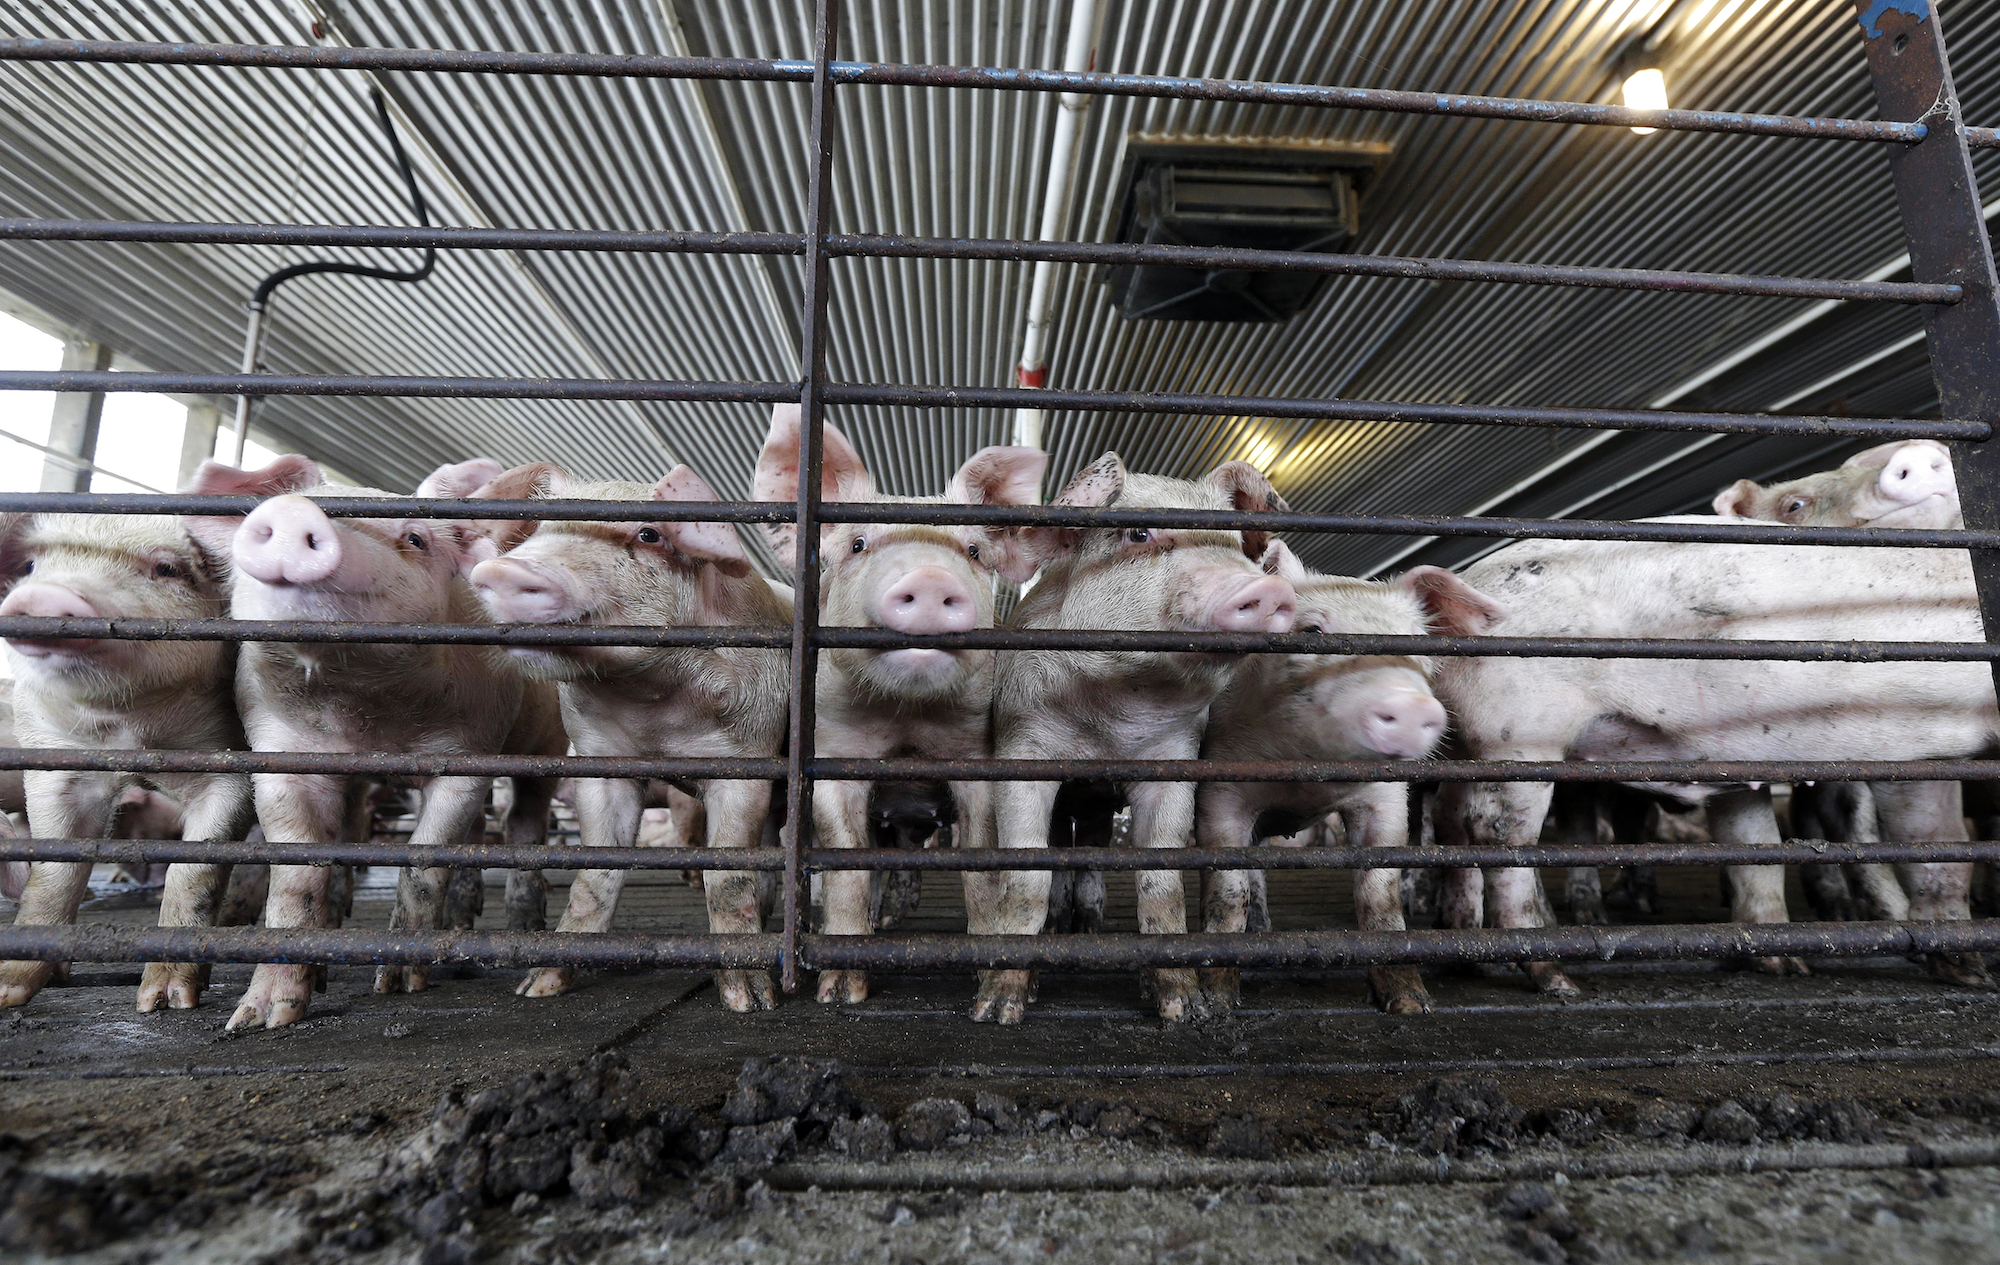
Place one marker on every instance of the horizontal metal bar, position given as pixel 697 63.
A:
pixel 849 72
pixel 953 860
pixel 1320 950
pixel 905 247
pixel 1393 411
pixel 659 390
pixel 693 768
pixel 53 627
pixel 1745 532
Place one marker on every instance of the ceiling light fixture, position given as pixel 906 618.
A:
pixel 1646 90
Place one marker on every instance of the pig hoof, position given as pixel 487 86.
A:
pixel 1965 969
pixel 746 991
pixel 1003 997
pixel 277 995
pixel 547 981
pixel 20 981
pixel 843 986
pixel 1782 966
pixel 402 979
pixel 1181 997
pixel 1550 981
pixel 1398 990
pixel 173 985
pixel 1589 913
pixel 1222 988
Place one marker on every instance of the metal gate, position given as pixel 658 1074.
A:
pixel 1954 281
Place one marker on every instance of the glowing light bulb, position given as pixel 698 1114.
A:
pixel 1646 90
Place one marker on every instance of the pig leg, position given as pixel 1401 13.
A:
pixel 217 809
pixel 1939 891
pixel 607 812
pixel 1224 820
pixel 1757 892
pixel 840 818
pixel 1510 815
pixel 294 808
pixel 1381 819
pixel 1009 902
pixel 60 806
pixel 1461 896
pixel 1163 817
pixel 1878 891
pixel 243 899
pixel 465 894
pixel 453 808
pixel 1575 812
pixel 736 816
pixel 528 823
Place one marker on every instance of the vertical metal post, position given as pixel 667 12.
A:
pixel 812 401
pixel 74 422
pixel 1943 224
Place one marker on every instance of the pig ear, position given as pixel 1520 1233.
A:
pixel 1025 550
pixel 1452 607
pixel 478 547
pixel 999 476
pixel 842 475
pixel 289 473
pixel 1279 560
pixel 1248 489
pixel 1097 485
pixel 449 482
pixel 1739 499
pixel 1881 454
pixel 536 481
pixel 709 542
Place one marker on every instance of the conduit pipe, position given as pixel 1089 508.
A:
pixel 1078 57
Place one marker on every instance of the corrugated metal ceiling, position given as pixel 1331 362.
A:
pixel 218 144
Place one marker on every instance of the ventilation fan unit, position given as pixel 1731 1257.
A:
pixel 1280 205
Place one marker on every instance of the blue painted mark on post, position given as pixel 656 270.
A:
pixel 1918 9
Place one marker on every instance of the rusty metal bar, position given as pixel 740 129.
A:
pixel 1945 227
pixel 953 860
pixel 469 61
pixel 886 246
pixel 57 627
pixel 566 510
pixel 663 390
pixel 812 416
pixel 691 768
pixel 1315 950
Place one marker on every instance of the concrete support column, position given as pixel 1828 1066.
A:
pixel 73 427
pixel 198 441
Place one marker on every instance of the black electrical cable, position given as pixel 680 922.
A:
pixel 264 289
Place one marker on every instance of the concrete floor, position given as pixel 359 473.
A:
pixel 280 1122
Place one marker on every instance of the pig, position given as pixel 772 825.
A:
pixel 1109 704
pixel 289 561
pixel 698 701
pixel 1908 484
pixel 13 806
pixel 1580 709
pixel 912 702
pixel 77 693
pixel 1332 707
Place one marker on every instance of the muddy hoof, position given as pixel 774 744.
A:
pixel 547 981
pixel 1550 981
pixel 171 985
pixel 1222 988
pixel 1181 997
pixel 1967 970
pixel 746 991
pixel 841 987
pixel 1398 990
pixel 400 979
pixel 1003 997
pixel 278 995
pixel 1589 913
pixel 20 981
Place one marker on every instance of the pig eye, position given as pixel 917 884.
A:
pixel 1796 505
pixel 972 552
pixel 166 571
pixel 860 543
pixel 1138 535
pixel 417 541
pixel 27 566
pixel 649 536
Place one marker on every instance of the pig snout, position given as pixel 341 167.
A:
pixel 927 600
pixel 516 593
pixel 1915 474
pixel 39 597
pixel 287 540
pixel 1403 724
pixel 1260 604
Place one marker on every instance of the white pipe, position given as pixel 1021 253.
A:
pixel 1078 57
pixel 253 343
